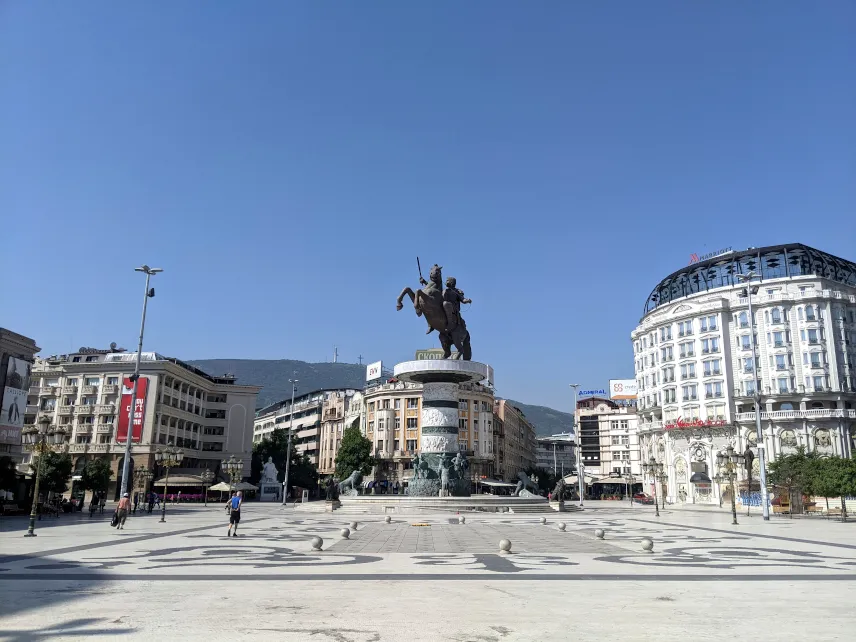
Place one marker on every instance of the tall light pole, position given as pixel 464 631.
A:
pixel 40 441
pixel 762 458
pixel 728 463
pixel 293 383
pixel 149 293
pixel 580 472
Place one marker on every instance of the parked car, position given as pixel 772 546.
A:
pixel 642 498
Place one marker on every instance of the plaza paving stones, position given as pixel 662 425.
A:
pixel 446 581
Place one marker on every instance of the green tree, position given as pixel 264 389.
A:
pixel 796 473
pixel 835 477
pixel 55 472
pixel 355 453
pixel 8 474
pixel 96 475
pixel 302 472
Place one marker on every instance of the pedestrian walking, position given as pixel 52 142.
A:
pixel 234 508
pixel 103 501
pixel 178 499
pixel 136 502
pixel 122 511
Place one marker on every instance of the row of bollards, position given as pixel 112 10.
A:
pixel 504 544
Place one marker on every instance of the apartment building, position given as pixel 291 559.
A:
pixel 83 394
pixel 17 354
pixel 516 444
pixel 340 410
pixel 304 418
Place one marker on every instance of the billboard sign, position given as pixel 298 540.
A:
pixel 595 392
pixel 623 389
pixel 14 400
pixel 139 411
pixel 374 371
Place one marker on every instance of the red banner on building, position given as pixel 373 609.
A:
pixel 139 411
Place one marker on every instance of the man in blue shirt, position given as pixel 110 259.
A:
pixel 234 506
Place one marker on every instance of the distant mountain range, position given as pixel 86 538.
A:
pixel 273 376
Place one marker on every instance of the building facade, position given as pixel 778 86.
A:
pixel 698 375
pixel 516 445
pixel 393 424
pixel 339 411
pixel 82 394
pixel 17 354
pixel 556 453
pixel 305 419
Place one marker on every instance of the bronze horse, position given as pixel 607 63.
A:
pixel 442 312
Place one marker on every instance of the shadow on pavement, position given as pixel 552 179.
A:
pixel 82 627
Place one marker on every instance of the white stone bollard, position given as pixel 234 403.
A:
pixel 504 546
pixel 562 526
pixel 387 519
pixel 354 526
pixel 647 544
pixel 317 543
pixel 599 533
pixel 462 520
pixel 543 520
pixel 345 533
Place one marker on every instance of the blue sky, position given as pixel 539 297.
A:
pixel 285 163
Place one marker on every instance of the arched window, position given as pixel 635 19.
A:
pixel 743 320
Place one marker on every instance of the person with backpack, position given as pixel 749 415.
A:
pixel 234 508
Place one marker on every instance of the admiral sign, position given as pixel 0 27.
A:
pixel 599 392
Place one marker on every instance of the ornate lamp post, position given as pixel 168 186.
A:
pixel 142 477
pixel 655 470
pixel 207 477
pixel 728 463
pixel 630 480
pixel 39 442
pixel 234 468
pixel 169 457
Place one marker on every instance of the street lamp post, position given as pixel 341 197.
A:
pixel 149 293
pixel 655 470
pixel 580 471
pixel 40 441
pixel 293 383
pixel 169 457
pixel 762 458
pixel 234 468
pixel 207 477
pixel 142 477
pixel 728 463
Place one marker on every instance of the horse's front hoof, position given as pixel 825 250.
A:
pixel 399 306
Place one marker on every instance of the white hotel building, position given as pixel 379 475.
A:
pixel 697 373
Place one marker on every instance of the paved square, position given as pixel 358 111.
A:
pixel 184 579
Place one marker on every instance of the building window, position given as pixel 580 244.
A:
pixel 669 395
pixel 688 371
pixel 743 320
pixel 778 339
pixel 710 345
pixel 750 387
pixel 818 384
pixel 713 389
pixel 783 385
pixel 809 313
pixel 776 315
pixel 666 333
pixel 386 404
pixel 781 364
pixel 690 393
pixel 815 360
pixel 685 328
pixel 89 400
pixel 71 382
pixel 708 324
pixel 666 353
pixel 411 445
pixel 687 349
pixel 668 374
pixel 412 403
pixel 397 404
pixel 462 424
pixel 371 426
pixel 411 423
pixel 812 336
pixel 712 367
pixel 397 423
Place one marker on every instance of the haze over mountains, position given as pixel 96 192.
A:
pixel 273 376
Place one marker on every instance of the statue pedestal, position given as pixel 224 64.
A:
pixel 269 491
pixel 331 504
pixel 440 379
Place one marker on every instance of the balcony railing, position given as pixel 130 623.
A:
pixel 69 390
pixel 84 410
pixel 814 413
pixel 66 409
pixel 48 390
pixel 111 389
pixel 106 409
pixel 90 390
pixel 105 428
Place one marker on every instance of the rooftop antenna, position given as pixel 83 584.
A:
pixel 335 354
pixel 361 359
